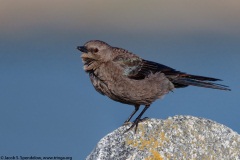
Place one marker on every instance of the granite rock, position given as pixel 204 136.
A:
pixel 178 137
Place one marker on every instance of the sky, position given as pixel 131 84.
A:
pixel 48 105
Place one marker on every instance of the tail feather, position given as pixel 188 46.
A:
pixel 200 78
pixel 201 82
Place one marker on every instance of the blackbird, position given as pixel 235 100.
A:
pixel 125 77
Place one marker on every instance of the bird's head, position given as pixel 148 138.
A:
pixel 95 53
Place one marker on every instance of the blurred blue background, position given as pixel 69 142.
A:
pixel 48 106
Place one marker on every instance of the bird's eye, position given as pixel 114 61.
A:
pixel 95 50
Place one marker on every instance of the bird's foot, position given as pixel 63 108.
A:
pixel 141 120
pixel 144 119
pixel 126 123
pixel 134 124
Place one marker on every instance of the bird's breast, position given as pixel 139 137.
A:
pixel 110 81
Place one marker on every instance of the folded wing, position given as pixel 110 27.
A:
pixel 139 69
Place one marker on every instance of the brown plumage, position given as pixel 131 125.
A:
pixel 127 78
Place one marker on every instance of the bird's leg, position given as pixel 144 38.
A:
pixel 132 114
pixel 137 120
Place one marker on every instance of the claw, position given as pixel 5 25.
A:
pixel 137 120
pixel 135 123
pixel 126 123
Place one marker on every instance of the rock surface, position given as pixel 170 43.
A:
pixel 178 137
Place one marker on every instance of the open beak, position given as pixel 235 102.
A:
pixel 82 49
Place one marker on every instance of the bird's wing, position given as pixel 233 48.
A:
pixel 131 65
pixel 137 68
pixel 148 67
